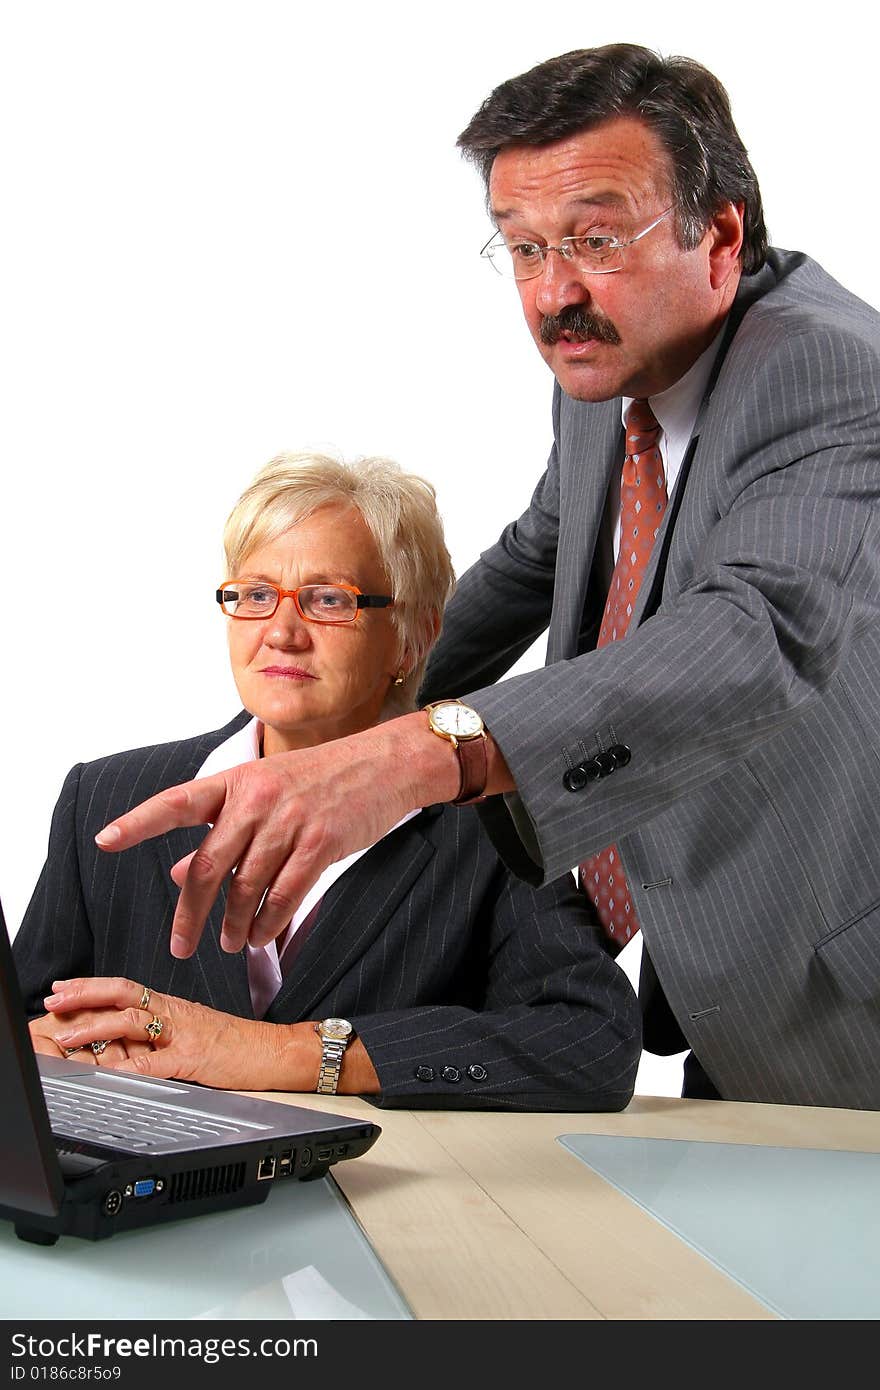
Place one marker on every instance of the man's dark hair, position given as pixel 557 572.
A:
pixel 682 102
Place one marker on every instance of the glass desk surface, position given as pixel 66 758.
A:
pixel 298 1255
pixel 798 1228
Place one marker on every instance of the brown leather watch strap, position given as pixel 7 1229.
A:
pixel 474 769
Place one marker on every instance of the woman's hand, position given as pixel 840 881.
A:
pixel 170 1038
pixel 44 1037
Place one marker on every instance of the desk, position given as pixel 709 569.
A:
pixel 483 1215
pixel 477 1215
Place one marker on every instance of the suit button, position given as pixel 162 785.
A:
pixel 578 777
pixel 621 754
pixel 424 1073
pixel 477 1072
pixel 451 1074
pixel 606 762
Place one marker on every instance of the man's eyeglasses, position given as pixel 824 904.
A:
pixel 593 255
pixel 315 603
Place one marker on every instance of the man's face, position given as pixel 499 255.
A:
pixel 633 332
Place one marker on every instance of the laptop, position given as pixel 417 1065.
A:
pixel 89 1151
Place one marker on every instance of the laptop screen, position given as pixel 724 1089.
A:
pixel 30 1176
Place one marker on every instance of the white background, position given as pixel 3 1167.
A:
pixel 232 228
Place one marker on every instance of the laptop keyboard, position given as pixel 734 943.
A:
pixel 131 1123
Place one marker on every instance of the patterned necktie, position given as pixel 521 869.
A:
pixel 642 504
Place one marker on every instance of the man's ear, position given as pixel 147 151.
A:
pixel 726 238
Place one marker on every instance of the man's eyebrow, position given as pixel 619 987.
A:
pixel 601 200
pixel 598 200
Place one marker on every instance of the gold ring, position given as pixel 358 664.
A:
pixel 99 1045
pixel 154 1027
pixel 69 1051
pixel 145 998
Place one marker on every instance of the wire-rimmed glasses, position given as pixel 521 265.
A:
pixel 315 603
pixel 591 254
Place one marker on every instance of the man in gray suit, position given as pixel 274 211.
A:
pixel 727 746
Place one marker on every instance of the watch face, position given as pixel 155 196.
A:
pixel 460 720
pixel 335 1028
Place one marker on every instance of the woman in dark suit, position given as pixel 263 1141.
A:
pixel 418 972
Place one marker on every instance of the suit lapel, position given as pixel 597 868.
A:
pixel 353 913
pixel 594 436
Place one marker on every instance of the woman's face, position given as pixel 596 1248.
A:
pixel 309 682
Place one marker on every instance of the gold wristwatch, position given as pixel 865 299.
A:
pixel 464 729
pixel 335 1035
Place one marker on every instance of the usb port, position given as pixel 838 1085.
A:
pixel 285 1163
pixel 325 1153
pixel 145 1187
pixel 266 1168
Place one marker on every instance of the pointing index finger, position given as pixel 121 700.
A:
pixel 189 803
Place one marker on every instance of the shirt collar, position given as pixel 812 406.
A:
pixel 242 747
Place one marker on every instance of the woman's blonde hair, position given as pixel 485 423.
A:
pixel 400 511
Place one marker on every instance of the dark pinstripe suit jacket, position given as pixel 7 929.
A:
pixel 747 688
pixel 468 988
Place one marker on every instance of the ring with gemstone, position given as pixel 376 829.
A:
pixel 154 1027
pixel 99 1045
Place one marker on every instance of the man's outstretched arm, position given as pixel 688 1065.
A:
pixel 278 823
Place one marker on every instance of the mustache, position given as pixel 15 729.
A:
pixel 577 322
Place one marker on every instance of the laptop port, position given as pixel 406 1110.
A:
pixel 285 1163
pixel 145 1187
pixel 112 1202
pixel 266 1168
pixel 324 1153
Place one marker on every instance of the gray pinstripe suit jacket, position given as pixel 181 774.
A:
pixel 747 689
pixel 442 959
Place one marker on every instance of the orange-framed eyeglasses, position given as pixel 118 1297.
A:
pixel 315 603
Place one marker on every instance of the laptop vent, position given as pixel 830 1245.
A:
pixel 206 1182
